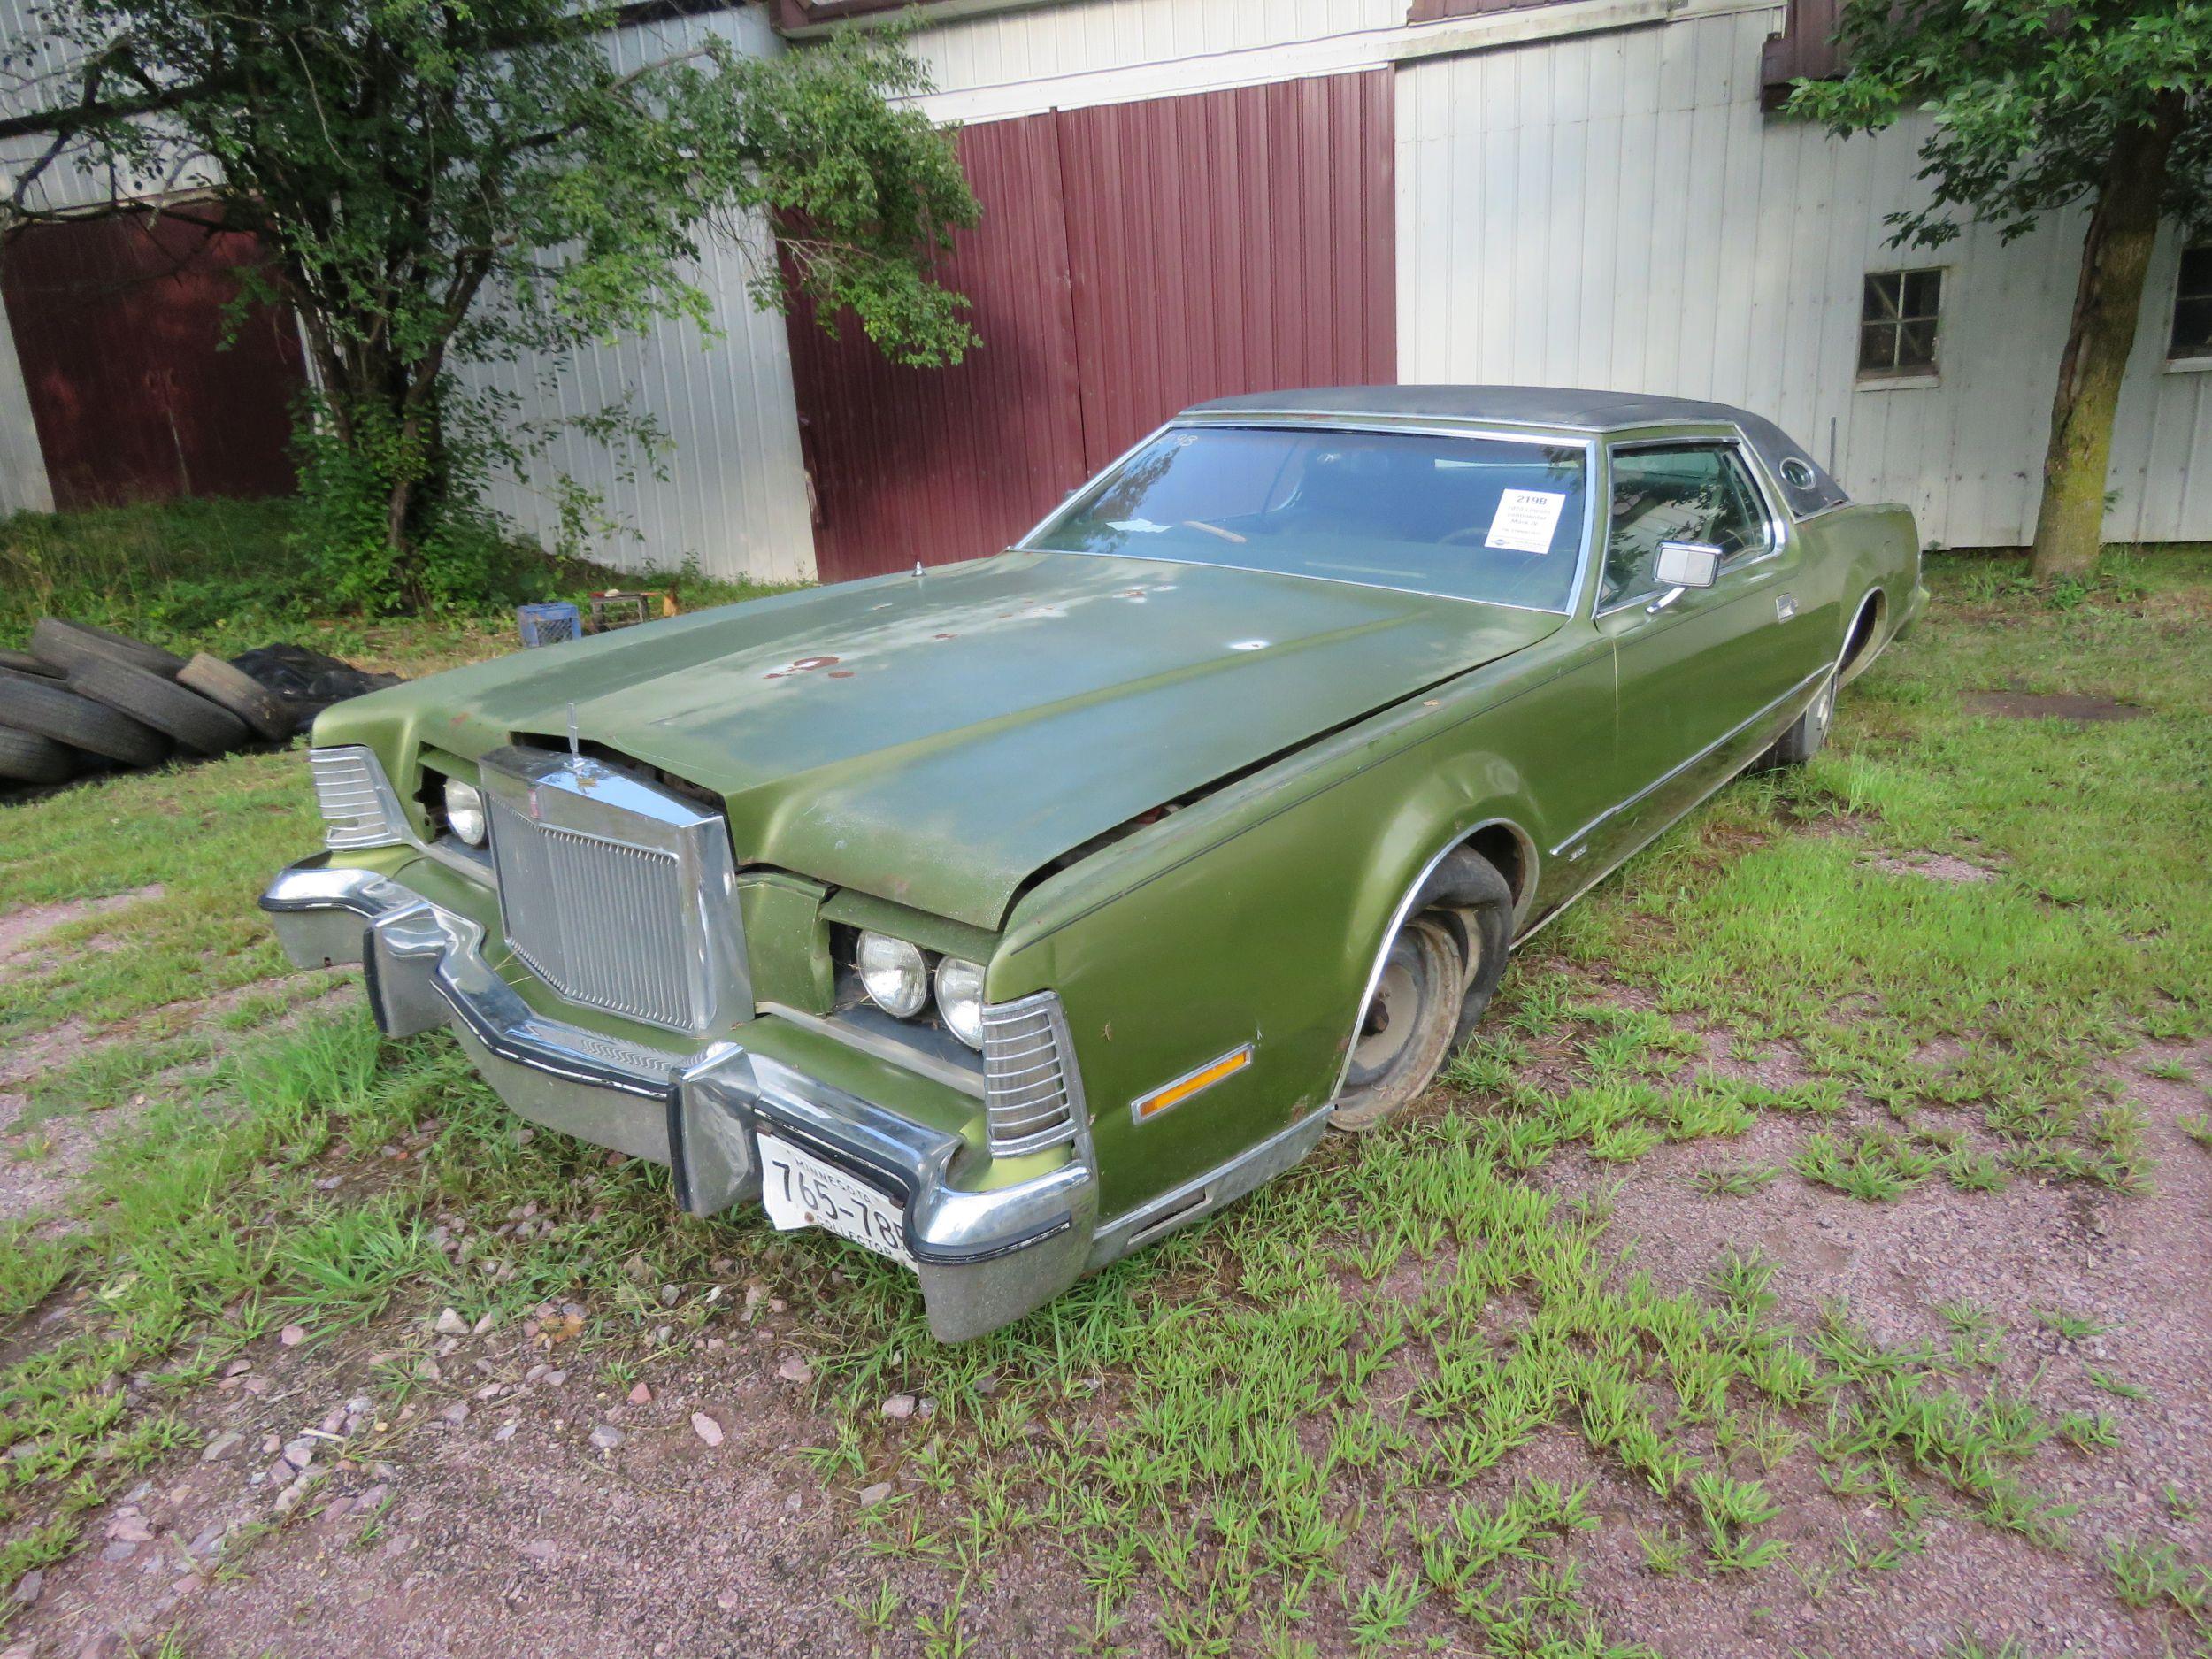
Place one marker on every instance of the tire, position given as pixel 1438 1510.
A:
pixel 242 694
pixel 26 757
pixel 67 644
pixel 1439 974
pixel 24 662
pixel 1806 733
pixel 49 709
pixel 176 710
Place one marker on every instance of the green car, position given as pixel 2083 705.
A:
pixel 1004 917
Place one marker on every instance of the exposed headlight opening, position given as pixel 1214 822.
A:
pixel 893 974
pixel 960 999
pixel 464 811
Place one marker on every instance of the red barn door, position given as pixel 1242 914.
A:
pixel 118 323
pixel 1133 259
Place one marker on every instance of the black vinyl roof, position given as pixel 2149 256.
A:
pixel 1562 407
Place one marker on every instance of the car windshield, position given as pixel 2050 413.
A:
pixel 1494 519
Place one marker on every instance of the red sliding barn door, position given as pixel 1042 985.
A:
pixel 119 325
pixel 1133 259
pixel 933 465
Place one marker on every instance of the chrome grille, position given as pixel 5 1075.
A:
pixel 614 892
pixel 599 920
pixel 356 802
pixel 1033 1098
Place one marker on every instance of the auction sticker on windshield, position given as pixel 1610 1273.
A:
pixel 1524 521
pixel 800 1190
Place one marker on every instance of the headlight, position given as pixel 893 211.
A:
pixel 892 972
pixel 464 811
pixel 960 999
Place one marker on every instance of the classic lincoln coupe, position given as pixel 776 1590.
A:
pixel 1003 917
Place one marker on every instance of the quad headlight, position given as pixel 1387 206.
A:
pixel 464 811
pixel 893 974
pixel 960 999
pixel 897 978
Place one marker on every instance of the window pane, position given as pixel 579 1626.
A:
pixel 1465 517
pixel 1878 348
pixel 1882 289
pixel 1923 292
pixel 1916 345
pixel 2193 329
pixel 1691 493
pixel 2196 272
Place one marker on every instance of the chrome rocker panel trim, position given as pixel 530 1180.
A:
pixel 983 1257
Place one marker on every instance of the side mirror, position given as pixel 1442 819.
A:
pixel 1687 565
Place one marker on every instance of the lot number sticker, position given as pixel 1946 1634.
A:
pixel 1524 521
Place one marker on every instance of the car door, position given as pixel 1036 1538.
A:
pixel 1696 671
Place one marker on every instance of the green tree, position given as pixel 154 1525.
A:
pixel 443 184
pixel 2040 105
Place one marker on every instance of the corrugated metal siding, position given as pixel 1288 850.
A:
pixel 735 500
pixel 1133 259
pixel 995 48
pixel 1231 242
pixel 914 466
pixel 1615 211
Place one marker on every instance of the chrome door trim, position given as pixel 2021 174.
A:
pixel 1673 772
pixel 1704 795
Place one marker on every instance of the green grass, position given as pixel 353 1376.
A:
pixel 221 576
pixel 1240 1439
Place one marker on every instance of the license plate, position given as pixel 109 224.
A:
pixel 800 1190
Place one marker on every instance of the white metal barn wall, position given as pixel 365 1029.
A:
pixel 1614 210
pixel 735 500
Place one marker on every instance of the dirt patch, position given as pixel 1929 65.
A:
pixel 41 1161
pixel 23 927
pixel 2059 705
pixel 1933 867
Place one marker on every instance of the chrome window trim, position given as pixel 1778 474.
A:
pixel 1558 437
pixel 1778 521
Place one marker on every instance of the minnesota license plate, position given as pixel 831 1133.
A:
pixel 800 1190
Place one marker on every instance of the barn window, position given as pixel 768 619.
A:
pixel 2193 306
pixel 1897 323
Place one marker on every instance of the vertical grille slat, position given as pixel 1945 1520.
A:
pixel 603 921
pixel 1031 1094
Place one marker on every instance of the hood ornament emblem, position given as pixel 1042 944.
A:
pixel 575 748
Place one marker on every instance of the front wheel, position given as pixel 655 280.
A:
pixel 1438 974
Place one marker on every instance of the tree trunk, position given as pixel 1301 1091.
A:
pixel 2107 301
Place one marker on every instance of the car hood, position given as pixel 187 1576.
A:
pixel 937 739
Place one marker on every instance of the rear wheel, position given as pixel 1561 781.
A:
pixel 1438 975
pixel 1808 733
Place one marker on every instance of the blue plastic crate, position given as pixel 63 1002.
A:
pixel 549 624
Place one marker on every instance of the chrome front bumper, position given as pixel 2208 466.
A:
pixel 983 1257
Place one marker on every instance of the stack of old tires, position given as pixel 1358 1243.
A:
pixel 82 699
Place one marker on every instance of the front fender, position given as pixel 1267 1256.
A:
pixel 1256 916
